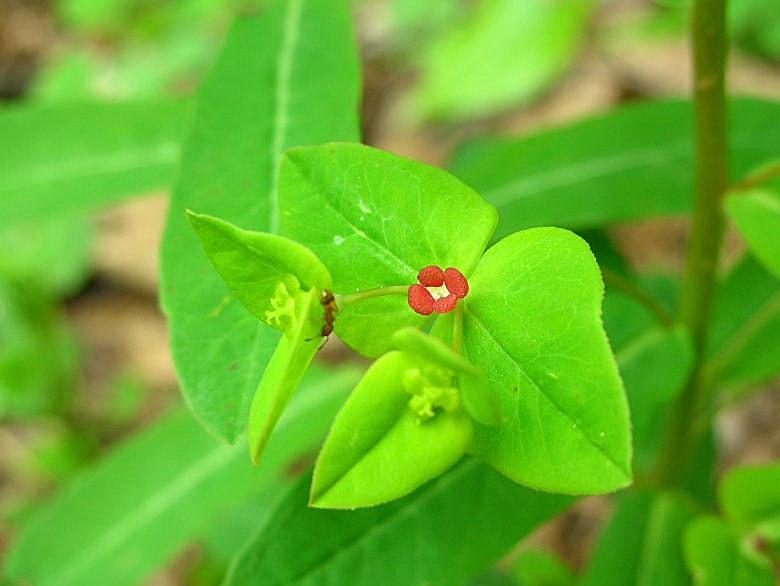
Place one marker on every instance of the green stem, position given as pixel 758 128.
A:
pixel 618 281
pixel 708 34
pixel 457 328
pixel 757 179
pixel 344 300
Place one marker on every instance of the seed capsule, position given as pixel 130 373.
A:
pixel 456 282
pixel 431 276
pixel 421 300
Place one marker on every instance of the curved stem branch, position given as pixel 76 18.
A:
pixel 344 300
pixel 618 281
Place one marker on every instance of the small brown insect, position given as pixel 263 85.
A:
pixel 328 301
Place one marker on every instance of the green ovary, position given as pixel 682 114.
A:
pixel 432 391
pixel 282 313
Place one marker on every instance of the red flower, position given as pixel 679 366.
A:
pixel 437 291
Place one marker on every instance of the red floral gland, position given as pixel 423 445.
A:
pixel 437 291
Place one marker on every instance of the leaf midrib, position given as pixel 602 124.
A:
pixel 284 66
pixel 581 171
pixel 541 392
pixel 95 166
pixel 120 532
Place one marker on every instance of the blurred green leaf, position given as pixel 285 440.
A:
pixel 286 76
pixel 744 346
pixel 502 54
pixel 50 255
pixel 655 365
pixel 750 496
pixel 716 557
pixel 444 533
pixel 756 26
pixel 642 544
pixel 537 567
pixel 157 492
pixel 38 354
pixel 380 219
pixel 635 162
pixel 550 365
pixel 757 215
pixel 76 158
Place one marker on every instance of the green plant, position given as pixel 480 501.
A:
pixel 516 366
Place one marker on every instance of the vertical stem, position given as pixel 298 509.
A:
pixel 457 328
pixel 709 43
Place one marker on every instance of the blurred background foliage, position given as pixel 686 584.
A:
pixel 84 361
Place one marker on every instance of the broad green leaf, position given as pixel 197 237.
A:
pixel 51 255
pixel 254 264
pixel 537 567
pixel 744 346
pixel 505 53
pixel 751 497
pixel 287 76
pixel 757 215
pixel 642 544
pixel 533 323
pixel 379 448
pixel 75 158
pixel 157 492
pixel 38 354
pixel 629 164
pixel 284 372
pixel 380 219
pixel 715 556
pixel 449 530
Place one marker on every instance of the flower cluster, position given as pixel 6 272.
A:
pixel 438 291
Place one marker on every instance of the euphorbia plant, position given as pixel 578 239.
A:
pixel 384 249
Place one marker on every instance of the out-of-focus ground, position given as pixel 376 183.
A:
pixel 123 333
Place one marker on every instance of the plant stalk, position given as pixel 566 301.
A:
pixel 710 47
pixel 343 300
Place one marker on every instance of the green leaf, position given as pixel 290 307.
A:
pixel 379 449
pixel 75 158
pixel 380 219
pixel 51 255
pixel 629 164
pixel 131 512
pixel 642 544
pixel 287 76
pixel 449 530
pixel 550 365
pixel 715 556
pixel 503 54
pixel 254 264
pixel 655 366
pixel 285 371
pixel 757 215
pixel 750 496
pixel 744 346
pixel 38 354
pixel 537 567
